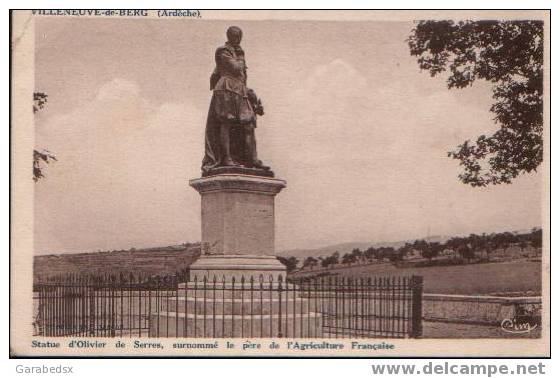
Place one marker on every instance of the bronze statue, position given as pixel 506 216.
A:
pixel 232 118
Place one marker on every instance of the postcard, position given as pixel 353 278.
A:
pixel 280 183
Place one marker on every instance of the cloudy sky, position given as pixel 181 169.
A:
pixel 357 130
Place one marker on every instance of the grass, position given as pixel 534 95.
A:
pixel 470 279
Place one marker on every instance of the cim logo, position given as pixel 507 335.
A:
pixel 518 326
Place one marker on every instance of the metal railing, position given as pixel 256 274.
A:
pixel 174 306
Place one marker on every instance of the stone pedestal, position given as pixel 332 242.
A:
pixel 237 288
pixel 237 214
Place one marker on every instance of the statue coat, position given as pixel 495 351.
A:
pixel 229 105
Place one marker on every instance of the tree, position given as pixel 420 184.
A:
pixel 335 258
pixel 310 262
pixel 455 244
pixel 388 253
pixel 369 254
pixel 38 157
pixel 45 156
pixel 357 254
pixel 39 101
pixel 290 262
pixel 506 239
pixel 420 246
pixel 492 243
pixel 431 250
pixel 348 258
pixel 406 249
pixel 378 253
pixel 536 238
pixel 509 54
pixel 327 262
pixel 466 252
pixel 475 243
pixel 397 254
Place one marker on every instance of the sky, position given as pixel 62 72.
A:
pixel 359 133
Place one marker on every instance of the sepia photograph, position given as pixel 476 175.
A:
pixel 280 183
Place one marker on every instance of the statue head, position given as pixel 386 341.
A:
pixel 234 35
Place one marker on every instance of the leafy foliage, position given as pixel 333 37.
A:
pixel 467 247
pixel 310 261
pixel 330 260
pixel 535 238
pixel 39 101
pixel 432 250
pixel 466 252
pixel 290 262
pixel 509 54
pixel 348 259
pixel 44 156
pixel 38 157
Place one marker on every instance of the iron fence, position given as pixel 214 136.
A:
pixel 176 306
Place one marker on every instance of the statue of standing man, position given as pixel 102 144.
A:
pixel 232 117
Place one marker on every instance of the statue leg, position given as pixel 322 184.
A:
pixel 225 144
pixel 251 143
pixel 251 146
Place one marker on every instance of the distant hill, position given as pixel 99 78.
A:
pixel 169 259
pixel 162 260
pixel 343 248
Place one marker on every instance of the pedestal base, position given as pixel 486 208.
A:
pixel 168 324
pixel 227 267
pixel 238 170
pixel 240 309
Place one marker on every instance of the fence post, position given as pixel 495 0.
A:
pixel 92 309
pixel 112 289
pixel 416 284
pixel 279 307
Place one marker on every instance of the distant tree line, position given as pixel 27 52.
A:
pixel 467 248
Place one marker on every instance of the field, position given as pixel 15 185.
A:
pixel 488 278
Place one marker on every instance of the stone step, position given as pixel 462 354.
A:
pixel 228 285
pixel 171 324
pixel 237 292
pixel 236 306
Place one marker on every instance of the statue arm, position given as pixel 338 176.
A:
pixel 226 59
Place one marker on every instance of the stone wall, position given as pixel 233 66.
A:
pixel 477 309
